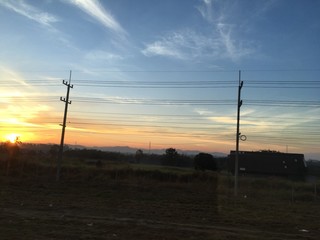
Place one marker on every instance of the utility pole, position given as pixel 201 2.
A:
pixel 236 167
pixel 67 102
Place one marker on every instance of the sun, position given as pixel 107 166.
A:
pixel 13 137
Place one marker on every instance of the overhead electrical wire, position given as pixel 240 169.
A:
pixel 141 101
pixel 287 134
pixel 278 127
pixel 187 116
pixel 199 84
pixel 172 84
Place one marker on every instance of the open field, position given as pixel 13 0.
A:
pixel 132 202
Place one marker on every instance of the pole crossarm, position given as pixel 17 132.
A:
pixel 64 100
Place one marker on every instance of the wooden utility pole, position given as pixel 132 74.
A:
pixel 67 102
pixel 236 167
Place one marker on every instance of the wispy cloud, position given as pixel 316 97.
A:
pixel 31 12
pixel 188 44
pixel 99 13
pixel 205 9
pixel 7 74
pixel 169 46
pixel 233 48
pixel 45 19
pixel 103 55
pixel 185 44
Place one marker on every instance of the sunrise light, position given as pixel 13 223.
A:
pixel 12 137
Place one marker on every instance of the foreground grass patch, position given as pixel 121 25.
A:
pixel 139 202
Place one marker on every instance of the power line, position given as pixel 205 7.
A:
pixel 199 83
pixel 144 127
pixel 255 69
pixel 188 116
pixel 195 124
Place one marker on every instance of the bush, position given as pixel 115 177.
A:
pixel 205 161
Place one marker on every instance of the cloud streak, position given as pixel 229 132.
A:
pixel 191 45
pixel 7 74
pixel 219 43
pixel 205 10
pixel 233 48
pixel 28 11
pixel 100 55
pixel 94 9
pixel 169 46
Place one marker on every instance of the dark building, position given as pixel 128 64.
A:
pixel 268 163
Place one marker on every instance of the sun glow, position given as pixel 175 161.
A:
pixel 13 137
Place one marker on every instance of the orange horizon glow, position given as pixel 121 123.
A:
pixel 35 128
pixel 39 123
pixel 100 137
pixel 130 137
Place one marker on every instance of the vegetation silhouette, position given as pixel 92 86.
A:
pixel 205 161
pixel 12 149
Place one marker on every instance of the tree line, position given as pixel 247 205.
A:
pixel 171 157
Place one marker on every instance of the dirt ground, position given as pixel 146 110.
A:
pixel 144 209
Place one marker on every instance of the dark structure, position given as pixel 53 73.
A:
pixel 269 163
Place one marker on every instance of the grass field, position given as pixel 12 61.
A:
pixel 125 201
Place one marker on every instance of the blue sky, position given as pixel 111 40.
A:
pixel 151 50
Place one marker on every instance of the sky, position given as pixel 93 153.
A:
pixel 160 74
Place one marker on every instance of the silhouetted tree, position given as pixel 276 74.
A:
pixel 171 157
pixel 185 161
pixel 205 161
pixel 13 149
pixel 54 150
pixel 139 155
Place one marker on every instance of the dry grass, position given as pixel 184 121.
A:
pixel 124 202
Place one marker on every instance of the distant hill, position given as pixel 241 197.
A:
pixel 130 150
pixel 120 149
